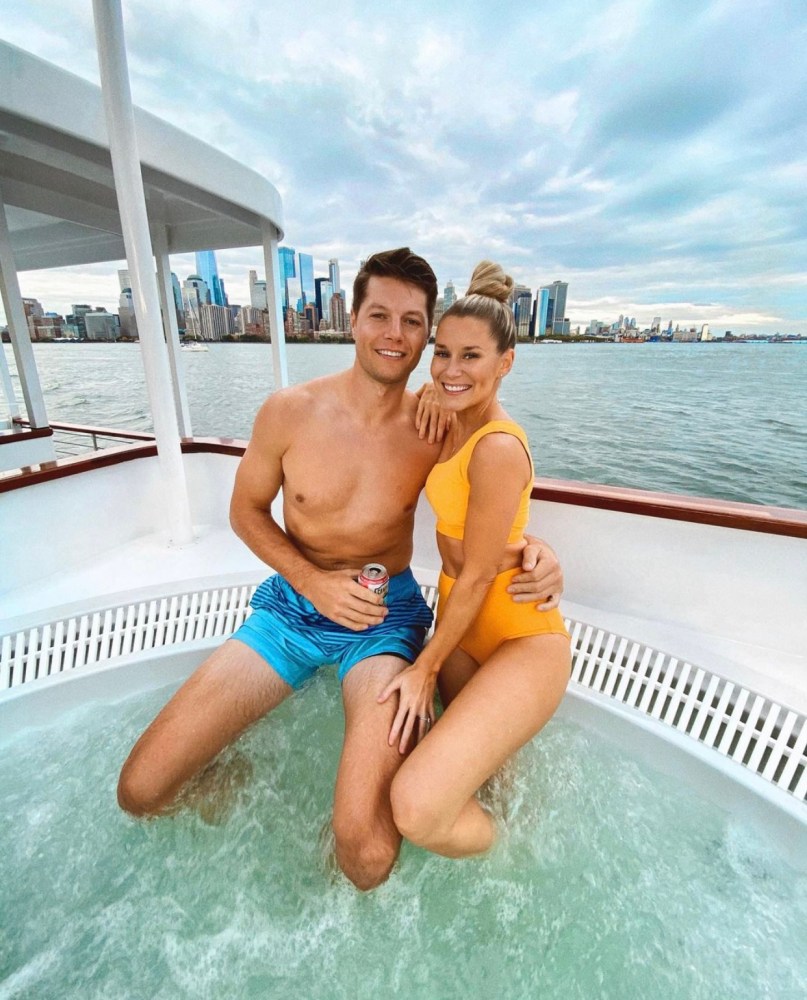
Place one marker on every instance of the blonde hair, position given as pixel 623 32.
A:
pixel 488 299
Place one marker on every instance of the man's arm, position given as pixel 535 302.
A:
pixel 334 593
pixel 541 582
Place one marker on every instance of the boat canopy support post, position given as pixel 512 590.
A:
pixel 273 304
pixel 119 115
pixel 18 331
pixel 159 240
pixel 8 385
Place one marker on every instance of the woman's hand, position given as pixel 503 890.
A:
pixel 415 686
pixel 431 420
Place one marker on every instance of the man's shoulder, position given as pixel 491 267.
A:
pixel 295 399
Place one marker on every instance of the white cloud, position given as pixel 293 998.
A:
pixel 648 151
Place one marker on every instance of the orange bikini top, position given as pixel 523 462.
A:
pixel 448 488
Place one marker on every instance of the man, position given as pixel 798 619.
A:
pixel 351 463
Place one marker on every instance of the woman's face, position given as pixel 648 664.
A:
pixel 467 366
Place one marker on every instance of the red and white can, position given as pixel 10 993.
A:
pixel 375 577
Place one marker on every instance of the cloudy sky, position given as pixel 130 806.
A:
pixel 652 153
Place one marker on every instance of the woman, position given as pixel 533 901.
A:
pixel 503 667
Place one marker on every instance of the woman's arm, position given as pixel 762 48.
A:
pixel 498 472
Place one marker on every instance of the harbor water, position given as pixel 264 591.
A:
pixel 609 881
pixel 715 420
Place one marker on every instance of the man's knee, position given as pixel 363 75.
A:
pixel 366 854
pixel 138 792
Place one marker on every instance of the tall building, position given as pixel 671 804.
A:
pixel 324 294
pixel 216 321
pixel 307 289
pixel 288 270
pixel 439 309
pixel 522 307
pixel 76 320
pixel 449 296
pixel 556 307
pixel 128 321
pixel 310 318
pixel 257 291
pixel 208 269
pixel 194 296
pixel 123 279
pixel 333 274
pixel 338 312
pixel 250 322
pixel 541 310
pixel 101 325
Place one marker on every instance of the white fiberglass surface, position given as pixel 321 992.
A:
pixel 609 880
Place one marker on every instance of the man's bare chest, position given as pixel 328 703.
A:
pixel 334 470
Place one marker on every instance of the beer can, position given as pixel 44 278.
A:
pixel 375 577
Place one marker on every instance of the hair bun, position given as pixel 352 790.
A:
pixel 489 279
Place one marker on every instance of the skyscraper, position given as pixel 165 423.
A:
pixel 522 305
pixel 257 291
pixel 288 271
pixel 307 289
pixel 324 293
pixel 449 295
pixel 128 322
pixel 556 307
pixel 333 274
pixel 208 269
pixel 338 312
pixel 194 295
pixel 541 312
pixel 559 290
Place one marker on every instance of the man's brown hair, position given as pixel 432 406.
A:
pixel 403 265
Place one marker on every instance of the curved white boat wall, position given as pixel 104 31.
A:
pixel 742 593
pixel 56 526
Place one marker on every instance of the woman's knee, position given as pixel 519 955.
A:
pixel 416 816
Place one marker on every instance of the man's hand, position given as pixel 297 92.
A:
pixel 541 581
pixel 431 420
pixel 337 595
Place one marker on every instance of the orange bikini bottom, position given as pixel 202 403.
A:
pixel 500 618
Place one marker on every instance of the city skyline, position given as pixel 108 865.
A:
pixel 651 154
pixel 199 316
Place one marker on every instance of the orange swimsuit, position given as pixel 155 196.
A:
pixel 448 490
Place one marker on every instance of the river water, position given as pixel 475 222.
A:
pixel 725 421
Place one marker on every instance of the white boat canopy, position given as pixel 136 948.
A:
pixel 59 205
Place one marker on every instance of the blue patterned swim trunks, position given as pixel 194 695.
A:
pixel 287 631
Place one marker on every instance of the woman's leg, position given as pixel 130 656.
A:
pixel 500 708
pixel 455 673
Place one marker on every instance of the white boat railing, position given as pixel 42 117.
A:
pixel 756 732
pixel 70 440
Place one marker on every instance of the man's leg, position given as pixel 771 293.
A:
pixel 230 691
pixel 367 841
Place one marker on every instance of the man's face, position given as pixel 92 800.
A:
pixel 390 329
